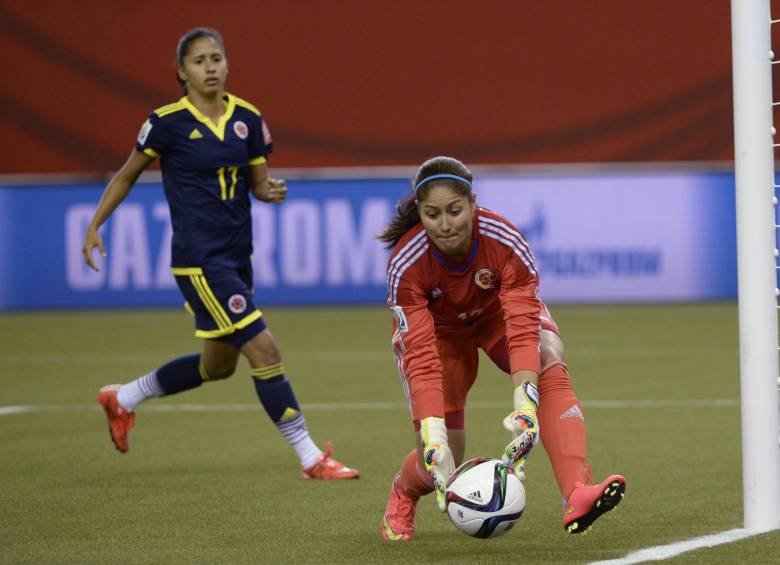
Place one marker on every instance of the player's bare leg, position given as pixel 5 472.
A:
pixel 219 360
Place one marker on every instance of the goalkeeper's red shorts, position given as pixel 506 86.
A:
pixel 458 352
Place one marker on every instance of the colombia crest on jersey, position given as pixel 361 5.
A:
pixel 205 170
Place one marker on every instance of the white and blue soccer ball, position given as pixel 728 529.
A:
pixel 485 498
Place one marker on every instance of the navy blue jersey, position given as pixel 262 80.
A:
pixel 205 170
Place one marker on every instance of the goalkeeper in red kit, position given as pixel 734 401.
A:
pixel 462 278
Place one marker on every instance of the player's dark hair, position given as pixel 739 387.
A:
pixel 407 214
pixel 184 46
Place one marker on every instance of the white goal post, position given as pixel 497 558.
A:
pixel 758 336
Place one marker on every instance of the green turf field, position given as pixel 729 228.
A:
pixel 659 383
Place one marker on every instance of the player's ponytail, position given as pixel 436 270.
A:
pixel 184 46
pixel 406 217
pixel 437 171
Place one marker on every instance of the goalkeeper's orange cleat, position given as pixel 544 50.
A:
pixel 587 502
pixel 120 421
pixel 398 521
pixel 328 469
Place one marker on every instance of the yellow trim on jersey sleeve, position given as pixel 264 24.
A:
pixel 152 153
pixel 188 308
pixel 219 127
pixel 186 271
pixel 261 160
pixel 167 106
pixel 244 104
pixel 240 325
pixel 169 109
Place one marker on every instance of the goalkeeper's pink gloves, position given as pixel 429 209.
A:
pixel 437 454
pixel 524 425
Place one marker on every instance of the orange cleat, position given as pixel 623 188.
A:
pixel 120 421
pixel 398 521
pixel 328 469
pixel 587 502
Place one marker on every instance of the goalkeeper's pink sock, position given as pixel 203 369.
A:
pixel 412 479
pixel 562 426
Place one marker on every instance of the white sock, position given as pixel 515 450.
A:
pixel 297 435
pixel 132 394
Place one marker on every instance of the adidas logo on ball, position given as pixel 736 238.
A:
pixel 490 514
pixel 475 496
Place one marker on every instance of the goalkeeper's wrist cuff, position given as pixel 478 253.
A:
pixel 433 431
pixel 526 394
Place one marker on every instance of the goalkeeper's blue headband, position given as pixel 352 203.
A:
pixel 465 181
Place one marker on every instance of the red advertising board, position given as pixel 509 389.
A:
pixel 379 83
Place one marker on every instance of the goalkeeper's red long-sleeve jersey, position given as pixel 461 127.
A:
pixel 430 295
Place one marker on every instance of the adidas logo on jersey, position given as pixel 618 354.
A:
pixel 476 496
pixel 195 134
pixel 573 412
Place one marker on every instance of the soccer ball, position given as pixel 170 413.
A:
pixel 485 498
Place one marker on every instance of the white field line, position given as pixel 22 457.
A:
pixel 363 406
pixel 134 358
pixel 153 359
pixel 659 552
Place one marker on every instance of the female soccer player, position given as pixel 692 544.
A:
pixel 213 148
pixel 461 278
